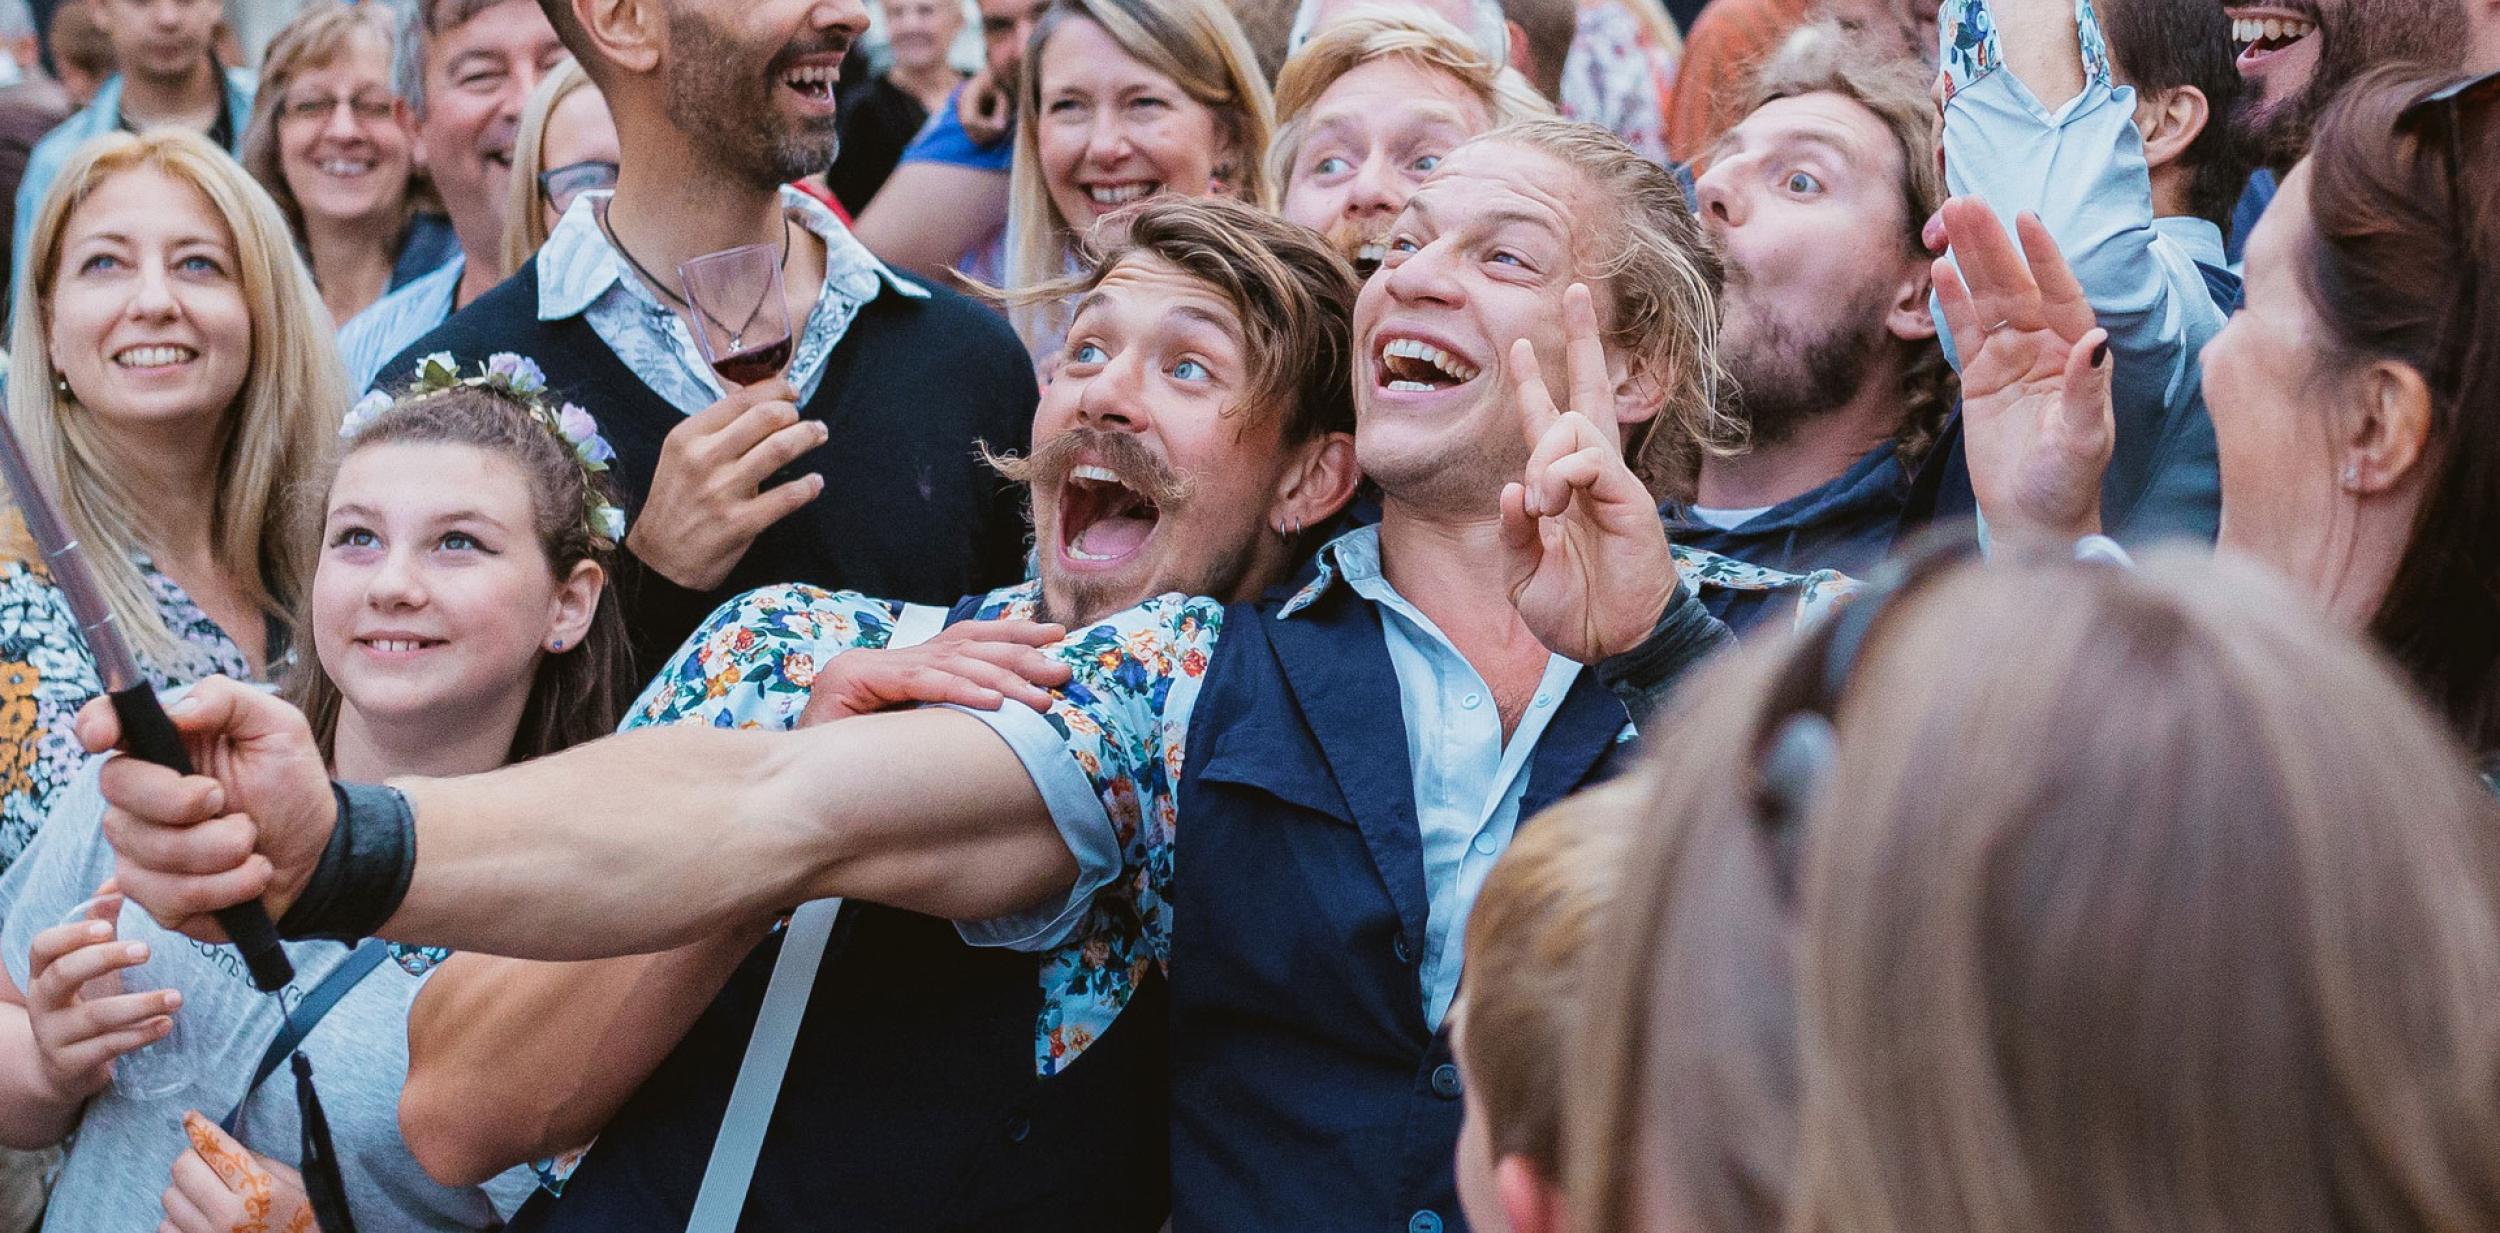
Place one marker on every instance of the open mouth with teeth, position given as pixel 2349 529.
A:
pixel 1413 365
pixel 399 646
pixel 813 82
pixel 1113 196
pixel 160 355
pixel 1101 519
pixel 2260 37
pixel 344 168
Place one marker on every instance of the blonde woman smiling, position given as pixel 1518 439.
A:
pixel 1124 99
pixel 173 380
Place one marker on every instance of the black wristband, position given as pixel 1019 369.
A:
pixel 364 872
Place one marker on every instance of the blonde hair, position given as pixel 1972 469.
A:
pixel 1369 34
pixel 2127 900
pixel 281 422
pixel 524 221
pixel 1527 937
pixel 1662 284
pixel 317 38
pixel 1196 43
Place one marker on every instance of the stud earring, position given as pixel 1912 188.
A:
pixel 556 645
pixel 2352 475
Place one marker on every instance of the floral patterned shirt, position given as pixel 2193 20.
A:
pixel 47 674
pixel 1107 756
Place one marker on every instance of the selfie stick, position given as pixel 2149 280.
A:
pixel 146 732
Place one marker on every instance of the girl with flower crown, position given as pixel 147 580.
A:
pixel 457 618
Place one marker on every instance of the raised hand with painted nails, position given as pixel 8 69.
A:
pixel 1584 551
pixel 220 1186
pixel 2036 415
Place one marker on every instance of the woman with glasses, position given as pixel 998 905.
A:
pixel 2353 398
pixel 566 146
pixel 332 142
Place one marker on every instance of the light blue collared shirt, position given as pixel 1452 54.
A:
pixel 1468 779
pixel 581 274
pixel 2081 167
pixel 100 116
pixel 391 324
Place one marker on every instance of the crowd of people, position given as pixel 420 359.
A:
pixel 1855 615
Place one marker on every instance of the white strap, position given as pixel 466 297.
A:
pixel 731 1171
pixel 917 623
pixel 732 1168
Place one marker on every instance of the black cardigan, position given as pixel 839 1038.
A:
pixel 909 510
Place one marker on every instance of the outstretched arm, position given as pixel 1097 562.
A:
pixel 634 843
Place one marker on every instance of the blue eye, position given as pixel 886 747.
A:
pixel 1426 163
pixel 1087 353
pixel 1191 370
pixel 98 262
pixel 198 264
pixel 1333 166
pixel 460 541
pixel 355 537
pixel 1801 183
pixel 1507 257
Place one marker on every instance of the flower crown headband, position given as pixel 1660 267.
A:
pixel 518 378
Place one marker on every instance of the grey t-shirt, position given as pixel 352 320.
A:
pixel 122 1155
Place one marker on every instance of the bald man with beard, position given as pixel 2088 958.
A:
pixel 2297 55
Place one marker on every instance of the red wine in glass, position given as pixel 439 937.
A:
pixel 740 320
pixel 753 364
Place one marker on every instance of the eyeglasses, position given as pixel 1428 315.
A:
pixel 2441 115
pixel 367 108
pixel 560 185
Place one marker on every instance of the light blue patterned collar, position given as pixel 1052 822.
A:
pixel 577 265
pixel 1356 554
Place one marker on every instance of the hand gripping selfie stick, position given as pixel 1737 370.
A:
pixel 146 732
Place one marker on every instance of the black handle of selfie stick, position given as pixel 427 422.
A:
pixel 148 735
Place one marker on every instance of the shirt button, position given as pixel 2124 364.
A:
pixel 1471 702
pixel 1545 699
pixel 1399 948
pixel 1426 1221
pixel 1484 844
pixel 1445 1083
pixel 1018 1127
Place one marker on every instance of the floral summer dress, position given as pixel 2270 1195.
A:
pixel 46 675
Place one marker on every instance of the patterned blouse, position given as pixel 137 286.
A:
pixel 1120 724
pixel 46 675
pixel 1619 78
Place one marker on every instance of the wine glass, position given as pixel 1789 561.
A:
pixel 740 319
pixel 163 1068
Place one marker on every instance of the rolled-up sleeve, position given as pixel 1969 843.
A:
pixel 1083 823
pixel 2080 166
pixel 1107 760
